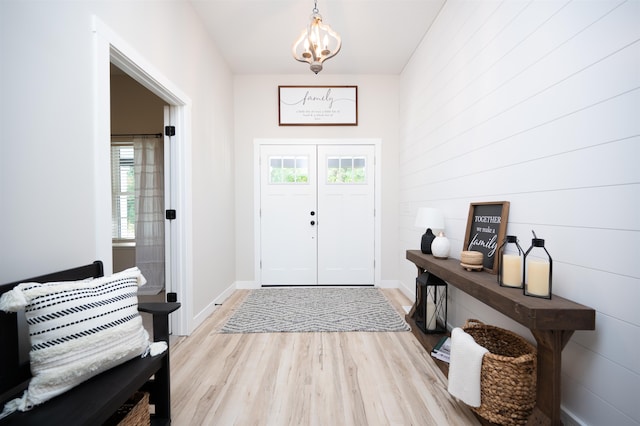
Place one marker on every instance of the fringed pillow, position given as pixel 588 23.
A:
pixel 78 329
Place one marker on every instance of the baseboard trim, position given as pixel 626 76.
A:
pixel 406 290
pixel 569 418
pixel 201 316
pixel 246 285
pixel 388 284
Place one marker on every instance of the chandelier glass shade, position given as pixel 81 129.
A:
pixel 317 43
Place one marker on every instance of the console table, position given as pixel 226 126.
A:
pixel 552 323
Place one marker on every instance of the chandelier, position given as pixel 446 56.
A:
pixel 317 43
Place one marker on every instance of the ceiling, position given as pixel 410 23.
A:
pixel 378 36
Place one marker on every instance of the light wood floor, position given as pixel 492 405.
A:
pixel 307 378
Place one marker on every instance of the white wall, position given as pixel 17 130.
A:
pixel 534 103
pixel 47 153
pixel 537 103
pixel 256 115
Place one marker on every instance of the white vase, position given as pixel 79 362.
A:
pixel 441 246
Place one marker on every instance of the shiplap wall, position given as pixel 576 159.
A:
pixel 538 103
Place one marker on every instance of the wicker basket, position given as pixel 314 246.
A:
pixel 134 412
pixel 508 376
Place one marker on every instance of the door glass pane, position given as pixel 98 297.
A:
pixel 288 169
pixel 346 170
pixel 302 169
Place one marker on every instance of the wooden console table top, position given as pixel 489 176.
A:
pixel 532 312
pixel 551 321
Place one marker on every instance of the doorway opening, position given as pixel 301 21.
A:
pixel 110 50
pixel 139 188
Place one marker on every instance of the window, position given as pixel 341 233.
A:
pixel 123 215
pixel 346 170
pixel 289 169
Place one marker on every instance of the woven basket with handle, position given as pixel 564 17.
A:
pixel 508 375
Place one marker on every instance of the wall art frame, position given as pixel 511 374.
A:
pixel 318 105
pixel 486 229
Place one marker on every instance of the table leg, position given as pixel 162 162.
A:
pixel 548 395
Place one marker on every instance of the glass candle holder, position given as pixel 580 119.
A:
pixel 510 261
pixel 538 270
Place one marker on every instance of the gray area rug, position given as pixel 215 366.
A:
pixel 275 310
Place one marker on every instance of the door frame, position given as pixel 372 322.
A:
pixel 376 142
pixel 111 48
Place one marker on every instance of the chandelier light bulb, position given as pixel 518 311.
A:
pixel 325 42
pixel 306 54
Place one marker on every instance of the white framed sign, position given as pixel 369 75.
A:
pixel 318 105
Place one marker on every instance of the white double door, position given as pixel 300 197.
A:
pixel 317 214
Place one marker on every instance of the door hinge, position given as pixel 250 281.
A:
pixel 170 214
pixel 170 130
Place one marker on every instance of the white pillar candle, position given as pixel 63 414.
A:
pixel 431 314
pixel 511 270
pixel 538 277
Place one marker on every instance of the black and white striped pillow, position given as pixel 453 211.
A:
pixel 78 329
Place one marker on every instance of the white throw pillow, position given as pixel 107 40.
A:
pixel 77 329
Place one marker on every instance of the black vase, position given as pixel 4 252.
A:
pixel 427 239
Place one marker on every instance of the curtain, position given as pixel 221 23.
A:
pixel 149 194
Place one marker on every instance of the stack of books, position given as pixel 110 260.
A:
pixel 442 350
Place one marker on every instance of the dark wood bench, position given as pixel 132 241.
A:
pixel 95 400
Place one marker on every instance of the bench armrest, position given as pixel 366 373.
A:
pixel 160 312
